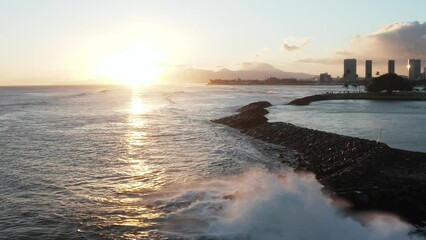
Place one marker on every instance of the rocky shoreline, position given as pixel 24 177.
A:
pixel 400 96
pixel 369 175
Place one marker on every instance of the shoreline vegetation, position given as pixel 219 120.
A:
pixel 280 81
pixel 269 81
pixel 381 96
pixel 369 175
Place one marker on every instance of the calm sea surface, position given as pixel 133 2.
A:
pixel 109 162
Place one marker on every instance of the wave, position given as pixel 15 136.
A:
pixel 169 100
pixel 262 205
pixel 102 90
pixel 168 95
pixel 47 99
pixel 173 93
pixel 263 92
pixel 23 104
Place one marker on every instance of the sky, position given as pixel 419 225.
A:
pixel 58 41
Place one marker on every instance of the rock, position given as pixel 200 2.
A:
pixel 250 116
pixel 381 178
pixel 361 199
pixel 242 121
pixel 255 105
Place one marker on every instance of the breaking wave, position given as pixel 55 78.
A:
pixel 263 205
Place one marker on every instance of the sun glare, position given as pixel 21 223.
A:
pixel 134 66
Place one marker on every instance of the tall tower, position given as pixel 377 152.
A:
pixel 349 69
pixel 368 69
pixel 391 66
pixel 414 66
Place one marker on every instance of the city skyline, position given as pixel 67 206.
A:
pixel 48 42
pixel 413 69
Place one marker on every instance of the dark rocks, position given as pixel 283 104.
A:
pixel 370 175
pixel 249 116
pixel 307 100
pixel 255 106
pixel 360 198
pixel 242 122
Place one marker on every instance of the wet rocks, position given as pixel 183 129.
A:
pixel 255 106
pixel 370 175
pixel 249 116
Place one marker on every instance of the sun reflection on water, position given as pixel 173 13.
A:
pixel 137 107
pixel 141 176
pixel 138 141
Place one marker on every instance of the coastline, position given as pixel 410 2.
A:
pixel 369 175
pixel 400 96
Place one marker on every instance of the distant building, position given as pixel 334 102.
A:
pixel 414 66
pixel 325 77
pixel 349 69
pixel 368 69
pixel 391 66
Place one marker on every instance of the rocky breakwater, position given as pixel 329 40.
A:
pixel 369 175
pixel 249 116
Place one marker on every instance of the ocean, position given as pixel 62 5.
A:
pixel 111 162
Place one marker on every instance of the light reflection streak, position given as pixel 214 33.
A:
pixel 137 137
pixel 141 177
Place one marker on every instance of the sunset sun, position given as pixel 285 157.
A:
pixel 133 66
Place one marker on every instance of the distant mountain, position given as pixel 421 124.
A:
pixel 257 71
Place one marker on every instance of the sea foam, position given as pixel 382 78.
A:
pixel 263 205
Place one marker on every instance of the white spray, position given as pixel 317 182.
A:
pixel 262 205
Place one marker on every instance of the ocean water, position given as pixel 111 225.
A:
pixel 108 162
pixel 400 124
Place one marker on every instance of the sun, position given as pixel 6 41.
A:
pixel 138 65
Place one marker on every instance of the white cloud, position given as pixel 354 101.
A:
pixel 295 43
pixel 396 41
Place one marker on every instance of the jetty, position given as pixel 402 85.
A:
pixel 381 96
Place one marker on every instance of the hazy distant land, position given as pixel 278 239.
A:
pixel 248 71
pixel 269 81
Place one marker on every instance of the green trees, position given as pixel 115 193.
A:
pixel 389 82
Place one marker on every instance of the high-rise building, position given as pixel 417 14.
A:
pixel 349 69
pixel 368 69
pixel 414 66
pixel 325 77
pixel 391 66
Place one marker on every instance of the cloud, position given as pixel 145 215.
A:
pixel 326 60
pixel 344 52
pixel 295 43
pixel 397 41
